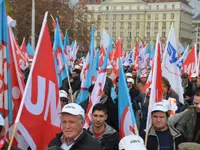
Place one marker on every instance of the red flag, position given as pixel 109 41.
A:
pixel 190 64
pixel 40 119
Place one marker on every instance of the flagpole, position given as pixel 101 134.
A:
pixel 28 82
pixel 70 87
pixel 33 24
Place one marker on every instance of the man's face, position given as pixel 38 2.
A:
pixel 164 88
pixel 130 85
pixel 134 73
pixel 159 121
pixel 109 71
pixel 140 87
pixel 185 81
pixel 144 80
pixel 193 79
pixel 71 125
pixel 99 117
pixel 196 102
pixel 63 101
pixel 198 82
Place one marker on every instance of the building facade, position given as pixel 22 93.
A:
pixel 195 4
pixel 140 19
pixel 196 31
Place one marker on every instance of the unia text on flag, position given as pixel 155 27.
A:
pixel 5 79
pixel 129 58
pixel 98 88
pixel 59 58
pixel 127 123
pixel 40 100
pixel 169 65
pixel 190 64
pixel 156 85
pixel 86 74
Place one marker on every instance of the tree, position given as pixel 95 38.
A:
pixel 75 20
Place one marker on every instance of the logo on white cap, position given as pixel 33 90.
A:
pixel 73 109
pixel 2 122
pixel 159 106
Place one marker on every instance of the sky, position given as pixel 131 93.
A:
pixel 74 2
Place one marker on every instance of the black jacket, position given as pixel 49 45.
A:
pixel 83 142
pixel 153 142
pixel 75 84
pixel 5 147
pixel 109 140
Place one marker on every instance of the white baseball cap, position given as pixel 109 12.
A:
pixel 131 142
pixel 128 74
pixel 77 67
pixel 2 122
pixel 109 67
pixel 194 75
pixel 130 80
pixel 73 109
pixel 126 64
pixel 159 106
pixel 62 93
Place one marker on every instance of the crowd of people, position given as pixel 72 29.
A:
pixel 175 126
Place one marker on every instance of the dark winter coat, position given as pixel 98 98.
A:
pixel 153 141
pixel 83 142
pixel 5 147
pixel 109 140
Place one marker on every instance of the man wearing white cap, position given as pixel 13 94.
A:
pixel 131 142
pixel 161 136
pixel 63 98
pixel 3 143
pixel 73 136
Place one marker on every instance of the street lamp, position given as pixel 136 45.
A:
pixel 33 25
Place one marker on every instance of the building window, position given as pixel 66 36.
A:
pixel 137 26
pixel 92 17
pixel 164 25
pixel 114 26
pixel 130 7
pixel 99 8
pixel 98 17
pixel 129 25
pixel 98 34
pixel 156 26
pixel 163 34
pixel 128 45
pixel 121 35
pixel 114 17
pixel 137 33
pixel 114 7
pixel 165 6
pixel 122 17
pixel 138 17
pixel 164 16
pixel 157 6
pixel 148 34
pixel 149 16
pixel 107 8
pixel 122 26
pixel 148 26
pixel 156 16
pixel 138 7
pixel 173 6
pixel 122 7
pixel 149 7
pixel 172 16
pixel 114 33
pixel 107 17
pixel 129 16
pixel 155 34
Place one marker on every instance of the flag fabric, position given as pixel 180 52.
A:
pixel 190 63
pixel 129 58
pixel 136 55
pixel 169 65
pixel 156 85
pixel 54 26
pixel 40 101
pixel 30 51
pixel 98 88
pixel 5 78
pixel 127 123
pixel 87 71
pixel 95 67
pixel 59 57
pixel 182 59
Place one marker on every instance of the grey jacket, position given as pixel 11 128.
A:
pixel 186 125
pixel 109 140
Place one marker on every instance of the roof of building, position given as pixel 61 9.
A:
pixel 164 1
pixel 197 17
pixel 93 2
